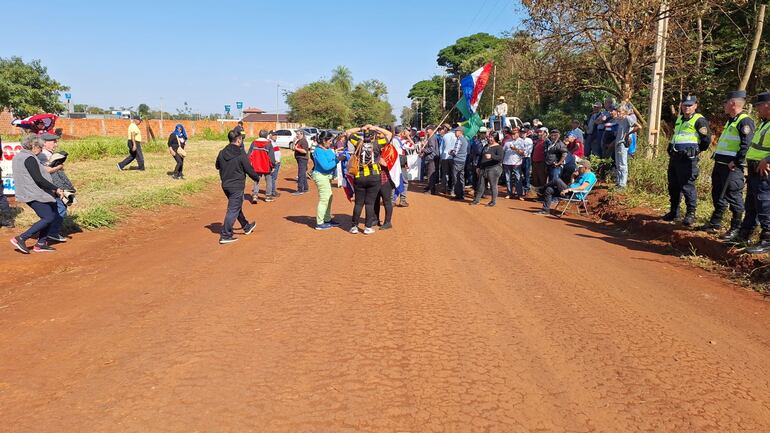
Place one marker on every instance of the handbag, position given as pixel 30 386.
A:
pixel 353 164
pixel 180 150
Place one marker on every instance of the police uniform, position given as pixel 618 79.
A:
pixel 691 136
pixel 727 184
pixel 758 191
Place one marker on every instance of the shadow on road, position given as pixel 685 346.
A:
pixel 215 227
pixel 302 219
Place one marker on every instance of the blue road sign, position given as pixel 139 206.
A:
pixel 68 96
pixel 239 105
pixel 227 108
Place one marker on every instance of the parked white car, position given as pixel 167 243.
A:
pixel 286 137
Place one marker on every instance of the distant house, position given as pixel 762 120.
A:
pixel 265 117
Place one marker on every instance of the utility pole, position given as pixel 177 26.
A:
pixel 494 82
pixel 443 94
pixel 656 90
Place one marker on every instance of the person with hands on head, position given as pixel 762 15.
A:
pixel 758 190
pixel 234 166
pixel 35 188
pixel 324 165
pixel 366 166
pixel 727 176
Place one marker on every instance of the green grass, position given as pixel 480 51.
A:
pixel 91 148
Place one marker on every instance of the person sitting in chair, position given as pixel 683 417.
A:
pixel 556 187
pixel 499 114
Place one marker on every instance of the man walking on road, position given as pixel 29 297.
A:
pixel 134 145
pixel 758 192
pixel 691 136
pixel 447 161
pixel 727 176
pixel 430 154
pixel 233 166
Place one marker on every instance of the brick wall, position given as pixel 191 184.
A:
pixel 119 127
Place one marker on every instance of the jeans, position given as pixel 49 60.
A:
pixel 384 199
pixel 553 188
pixel 596 143
pixel 554 172
pixel 367 188
pixel 402 196
pixel 274 177
pixel 492 175
pixel 526 172
pixel 179 164
pixel 539 174
pixel 61 209
pixel 325 197
pixel 493 119
pixel 133 155
pixel 458 174
pixel 508 171
pixel 447 180
pixel 621 165
pixel 49 224
pixel 432 173
pixel 234 211
pixel 301 174
pixel 268 185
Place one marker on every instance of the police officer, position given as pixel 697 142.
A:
pixel 691 136
pixel 758 191
pixel 727 177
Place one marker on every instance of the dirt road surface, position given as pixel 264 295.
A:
pixel 461 319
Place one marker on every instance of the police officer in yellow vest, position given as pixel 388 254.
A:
pixel 729 157
pixel 758 191
pixel 691 136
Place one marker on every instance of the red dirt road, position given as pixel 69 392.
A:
pixel 490 320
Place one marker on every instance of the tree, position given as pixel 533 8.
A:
pixel 468 53
pixel 407 116
pixel 320 104
pixel 143 110
pixel 26 88
pixel 342 78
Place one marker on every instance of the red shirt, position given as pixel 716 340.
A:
pixel 538 152
pixel 576 148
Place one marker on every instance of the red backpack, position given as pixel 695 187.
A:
pixel 259 157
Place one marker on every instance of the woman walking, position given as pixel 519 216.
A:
pixel 34 187
pixel 176 143
pixel 366 166
pixel 490 168
pixel 324 164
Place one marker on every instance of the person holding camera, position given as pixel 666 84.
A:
pixel 366 166
pixel 34 187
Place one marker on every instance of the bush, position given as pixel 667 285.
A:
pixel 95 217
pixel 211 135
pixel 100 147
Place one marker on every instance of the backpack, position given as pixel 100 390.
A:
pixel 259 158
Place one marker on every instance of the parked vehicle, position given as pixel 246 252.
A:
pixel 286 138
pixel 510 122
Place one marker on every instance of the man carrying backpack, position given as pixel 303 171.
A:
pixel 262 157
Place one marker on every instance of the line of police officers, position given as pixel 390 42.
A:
pixel 740 145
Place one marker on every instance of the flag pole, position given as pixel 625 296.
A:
pixel 442 121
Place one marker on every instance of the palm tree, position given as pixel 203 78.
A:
pixel 342 78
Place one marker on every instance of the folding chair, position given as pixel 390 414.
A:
pixel 573 199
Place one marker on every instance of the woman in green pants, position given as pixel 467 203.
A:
pixel 324 166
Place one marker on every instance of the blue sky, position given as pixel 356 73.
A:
pixel 214 53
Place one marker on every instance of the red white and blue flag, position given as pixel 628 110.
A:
pixel 473 85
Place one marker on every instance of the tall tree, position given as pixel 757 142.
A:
pixel 342 78
pixel 26 88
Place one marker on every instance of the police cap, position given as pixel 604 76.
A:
pixel 736 94
pixel 689 100
pixel 763 97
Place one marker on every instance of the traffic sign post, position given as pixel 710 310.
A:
pixel 227 110
pixel 239 106
pixel 68 97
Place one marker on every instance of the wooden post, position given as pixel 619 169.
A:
pixel 656 90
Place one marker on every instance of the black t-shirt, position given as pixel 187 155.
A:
pixel 174 143
pixel 496 152
pixel 302 144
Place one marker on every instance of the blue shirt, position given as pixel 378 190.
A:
pixel 449 144
pixel 589 177
pixel 577 132
pixel 460 149
pixel 325 160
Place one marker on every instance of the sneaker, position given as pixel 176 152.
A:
pixel 268 199
pixel 404 204
pixel 276 195
pixel 119 167
pixel 368 231
pixel 58 238
pixel 354 230
pixel 333 223
pixel 180 177
pixel 19 245
pixel 473 203
pixel 386 226
pixel 491 204
pixel 227 239
pixel 297 193
pixel 43 248
pixel 324 226
pixel 254 200
pixel 248 228
pixel 543 212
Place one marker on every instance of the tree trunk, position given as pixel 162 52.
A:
pixel 754 47
pixel 700 41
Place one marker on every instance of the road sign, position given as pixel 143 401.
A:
pixel 227 108
pixel 239 105
pixel 68 96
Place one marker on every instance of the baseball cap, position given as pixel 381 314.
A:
pixel 483 129
pixel 555 131
pixel 584 163
pixel 543 129
pixel 47 136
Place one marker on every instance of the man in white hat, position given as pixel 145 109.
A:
pixel 500 113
